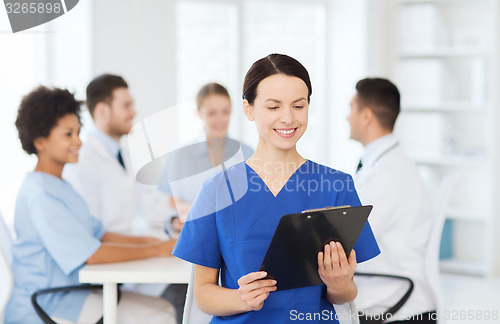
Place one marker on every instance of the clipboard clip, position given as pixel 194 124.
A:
pixel 324 208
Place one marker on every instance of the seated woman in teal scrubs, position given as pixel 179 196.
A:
pixel 233 218
pixel 56 235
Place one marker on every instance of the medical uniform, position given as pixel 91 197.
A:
pixel 401 220
pixel 232 221
pixel 55 236
pixel 111 191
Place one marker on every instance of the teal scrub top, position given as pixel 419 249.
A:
pixel 233 219
pixel 55 236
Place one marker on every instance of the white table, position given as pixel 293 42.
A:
pixel 152 270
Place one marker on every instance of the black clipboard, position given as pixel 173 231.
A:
pixel 292 256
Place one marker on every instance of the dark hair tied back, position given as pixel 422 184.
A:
pixel 270 65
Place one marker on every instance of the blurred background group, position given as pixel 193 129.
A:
pixel 442 54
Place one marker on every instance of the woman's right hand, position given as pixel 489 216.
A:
pixel 254 290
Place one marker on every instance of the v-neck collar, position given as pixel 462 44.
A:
pixel 284 185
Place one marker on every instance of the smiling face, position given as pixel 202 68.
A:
pixel 215 112
pixel 280 111
pixel 63 142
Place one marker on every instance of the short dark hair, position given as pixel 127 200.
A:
pixel 269 65
pixel 101 90
pixel 383 98
pixel 210 89
pixel 39 112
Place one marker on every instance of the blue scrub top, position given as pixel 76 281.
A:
pixel 229 229
pixel 55 236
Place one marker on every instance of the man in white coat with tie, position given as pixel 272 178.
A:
pixel 103 174
pixel 401 218
pixel 104 177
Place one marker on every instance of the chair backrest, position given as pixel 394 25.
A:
pixel 6 278
pixel 432 257
pixel 5 240
pixel 192 314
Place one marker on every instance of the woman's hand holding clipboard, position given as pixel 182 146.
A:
pixel 292 256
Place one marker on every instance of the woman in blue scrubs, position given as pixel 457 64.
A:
pixel 56 235
pixel 236 212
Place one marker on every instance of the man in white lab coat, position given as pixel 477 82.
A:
pixel 401 218
pixel 104 175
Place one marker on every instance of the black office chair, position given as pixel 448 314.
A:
pixel 380 318
pixel 7 279
pixel 44 316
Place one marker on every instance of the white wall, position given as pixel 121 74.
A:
pixel 495 66
pixel 347 63
pixel 379 39
pixel 136 39
pixel 53 54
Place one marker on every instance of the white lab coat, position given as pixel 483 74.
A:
pixel 401 220
pixel 112 193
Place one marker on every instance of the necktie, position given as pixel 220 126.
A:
pixel 360 165
pixel 120 158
